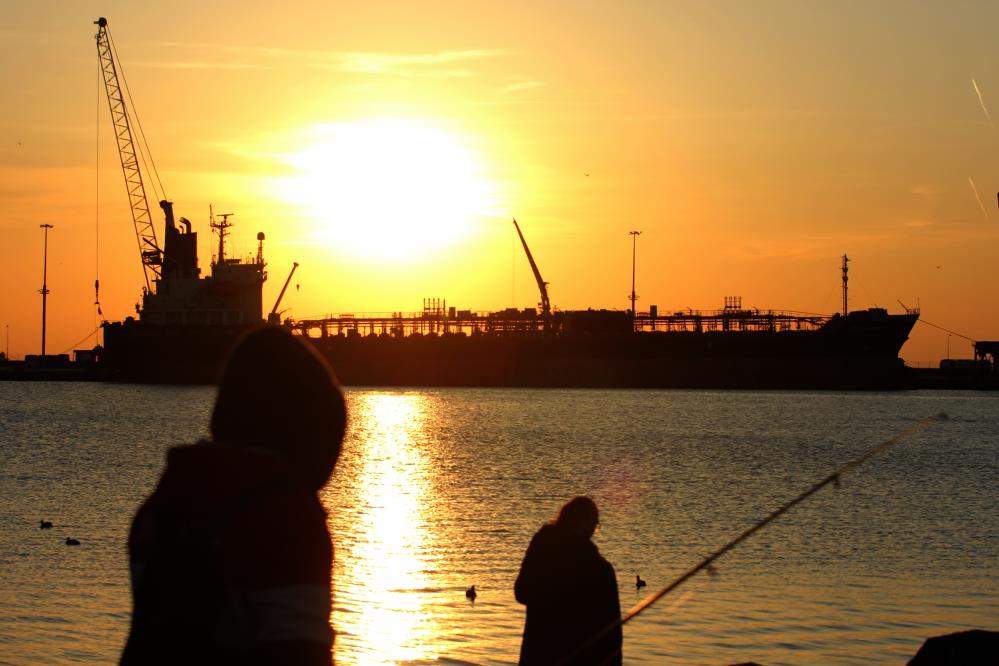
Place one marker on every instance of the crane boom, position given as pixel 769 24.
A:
pixel 546 308
pixel 149 249
pixel 273 317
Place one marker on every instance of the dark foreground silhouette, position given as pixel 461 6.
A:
pixel 230 556
pixel 570 592
pixel 964 648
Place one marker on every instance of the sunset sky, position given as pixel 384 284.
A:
pixel 385 146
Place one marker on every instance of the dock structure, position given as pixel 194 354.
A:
pixel 438 319
pixel 987 351
pixel 431 321
pixel 696 321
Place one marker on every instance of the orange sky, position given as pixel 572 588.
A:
pixel 752 143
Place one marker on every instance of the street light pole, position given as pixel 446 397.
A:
pixel 45 273
pixel 634 237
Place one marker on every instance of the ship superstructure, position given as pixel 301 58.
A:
pixel 230 295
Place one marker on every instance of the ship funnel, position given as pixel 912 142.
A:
pixel 167 207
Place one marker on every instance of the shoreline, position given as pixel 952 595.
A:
pixel 61 369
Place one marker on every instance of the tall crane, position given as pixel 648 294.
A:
pixel 149 249
pixel 546 307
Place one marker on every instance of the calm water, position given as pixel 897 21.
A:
pixel 440 489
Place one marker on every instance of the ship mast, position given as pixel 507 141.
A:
pixel 223 229
pixel 846 269
pixel 45 271
pixel 634 238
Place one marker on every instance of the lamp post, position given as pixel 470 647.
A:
pixel 634 238
pixel 948 346
pixel 45 273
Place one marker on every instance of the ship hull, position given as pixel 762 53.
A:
pixel 139 352
pixel 853 352
pixel 635 361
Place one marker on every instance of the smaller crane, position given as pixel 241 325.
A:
pixel 546 307
pixel 275 317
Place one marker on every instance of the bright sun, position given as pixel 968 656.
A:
pixel 389 189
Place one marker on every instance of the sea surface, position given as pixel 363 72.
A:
pixel 440 489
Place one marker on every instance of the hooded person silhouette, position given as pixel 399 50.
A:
pixel 570 592
pixel 230 556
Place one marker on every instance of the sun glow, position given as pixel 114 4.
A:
pixel 389 189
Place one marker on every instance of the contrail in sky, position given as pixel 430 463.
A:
pixel 978 198
pixel 982 102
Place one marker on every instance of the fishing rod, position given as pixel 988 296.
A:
pixel 708 562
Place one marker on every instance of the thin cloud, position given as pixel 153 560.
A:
pixel 917 223
pixel 978 198
pixel 805 246
pixel 521 86
pixel 354 62
pixel 397 63
pixel 195 64
pixel 981 101
pixel 927 194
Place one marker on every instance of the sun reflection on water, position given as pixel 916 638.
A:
pixel 380 571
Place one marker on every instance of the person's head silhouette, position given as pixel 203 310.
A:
pixel 580 515
pixel 277 393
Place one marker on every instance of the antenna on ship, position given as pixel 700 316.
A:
pixel 634 237
pixel 846 270
pixel 222 227
pixel 44 291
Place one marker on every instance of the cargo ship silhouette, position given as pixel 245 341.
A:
pixel 186 324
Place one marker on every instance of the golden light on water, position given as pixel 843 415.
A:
pixel 381 561
pixel 389 189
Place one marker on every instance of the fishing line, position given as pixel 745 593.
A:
pixel 708 562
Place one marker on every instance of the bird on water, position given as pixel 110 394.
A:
pixel 470 593
pixel 44 524
pixel 639 583
pixel 72 542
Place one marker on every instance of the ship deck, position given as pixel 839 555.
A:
pixel 441 321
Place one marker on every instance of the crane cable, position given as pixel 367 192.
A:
pixel 707 564
pixel 945 330
pixel 147 156
pixel 97 210
pixel 80 341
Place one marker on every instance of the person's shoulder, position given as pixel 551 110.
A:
pixel 547 536
pixel 546 531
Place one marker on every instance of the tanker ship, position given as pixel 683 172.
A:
pixel 175 342
pixel 187 323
